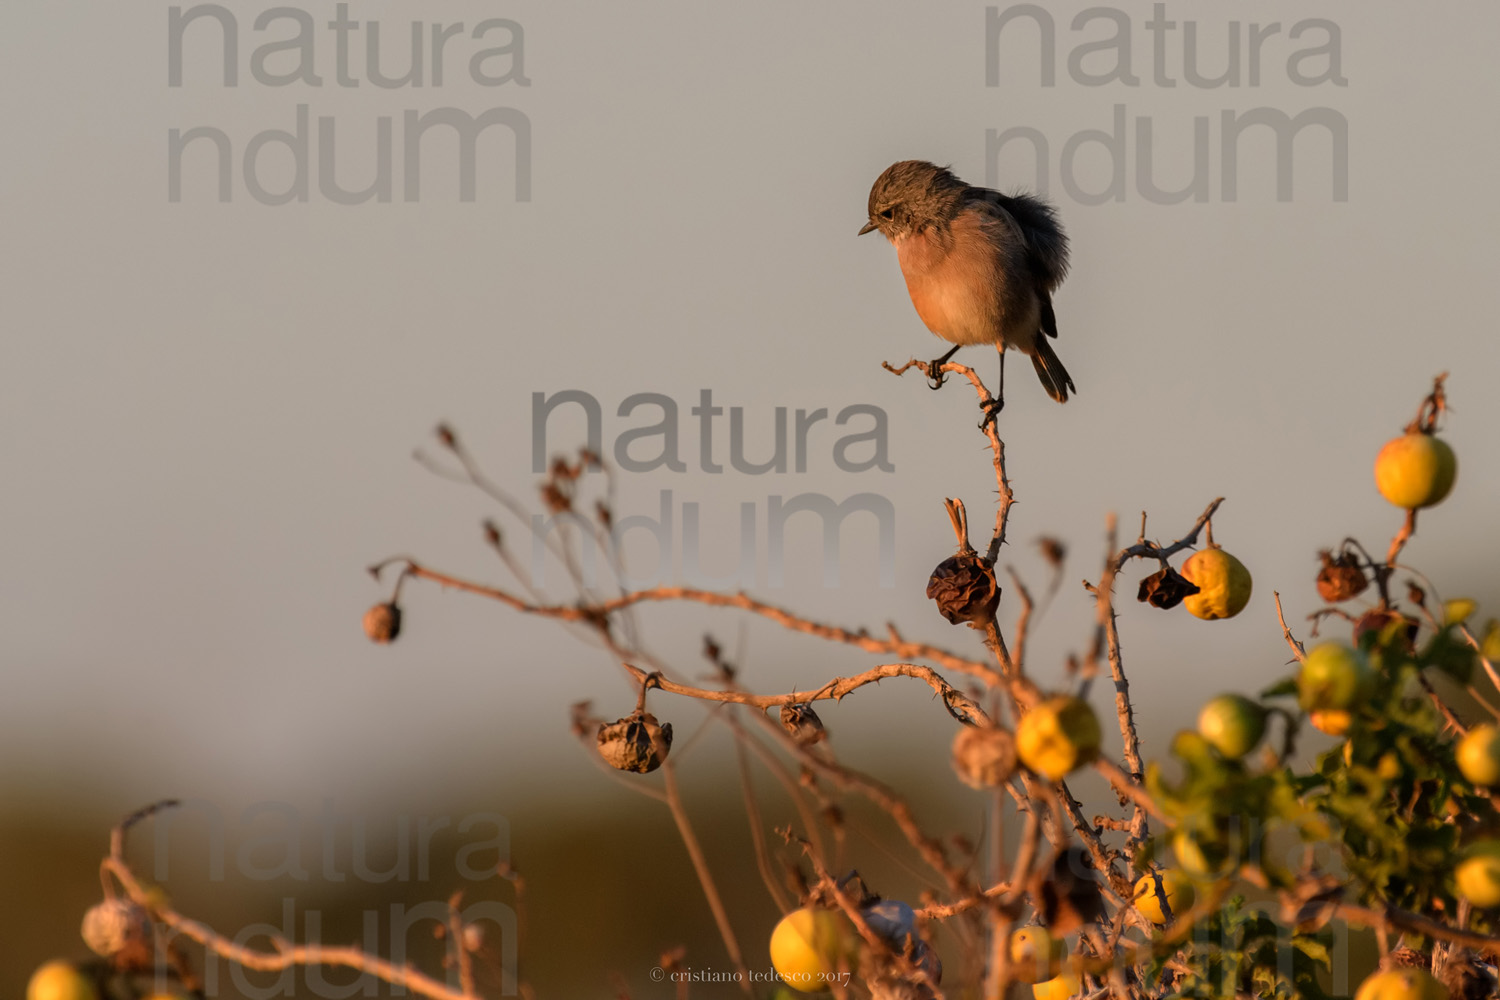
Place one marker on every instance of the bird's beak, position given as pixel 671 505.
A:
pixel 868 228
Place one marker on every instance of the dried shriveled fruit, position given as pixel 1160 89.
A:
pixel 984 756
pixel 1341 577
pixel 1166 588
pixel 383 623
pixel 635 743
pixel 965 589
pixel 803 724
pixel 118 929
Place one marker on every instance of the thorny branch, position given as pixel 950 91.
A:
pixel 1049 810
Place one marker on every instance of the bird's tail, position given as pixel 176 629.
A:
pixel 1049 368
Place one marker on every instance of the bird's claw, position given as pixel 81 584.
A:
pixel 992 408
pixel 935 374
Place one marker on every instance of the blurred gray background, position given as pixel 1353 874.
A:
pixel 208 409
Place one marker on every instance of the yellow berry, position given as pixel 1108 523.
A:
pixel 59 980
pixel 1478 874
pixel 1333 676
pixel 1061 987
pixel 1035 954
pixel 1406 983
pixel 809 948
pixel 1415 470
pixel 1478 755
pixel 1223 584
pixel 1333 721
pixel 1058 736
pixel 1233 724
pixel 1177 886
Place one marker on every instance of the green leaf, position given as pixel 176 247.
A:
pixel 1458 610
pixel 1313 949
pixel 1450 654
pixel 1284 688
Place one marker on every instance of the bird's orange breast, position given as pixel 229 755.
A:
pixel 954 282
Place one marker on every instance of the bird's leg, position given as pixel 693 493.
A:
pixel 994 406
pixel 935 377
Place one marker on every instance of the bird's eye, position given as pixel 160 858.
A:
pixel 889 213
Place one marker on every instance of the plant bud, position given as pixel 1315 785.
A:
pixel 635 743
pixel 984 756
pixel 1340 578
pixel 383 623
pixel 965 589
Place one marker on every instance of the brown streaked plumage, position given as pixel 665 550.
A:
pixel 980 266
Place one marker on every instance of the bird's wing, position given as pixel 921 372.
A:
pixel 1048 321
pixel 1037 221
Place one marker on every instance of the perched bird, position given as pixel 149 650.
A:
pixel 980 266
pixel 1067 896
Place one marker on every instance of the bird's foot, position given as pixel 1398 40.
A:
pixel 992 410
pixel 935 374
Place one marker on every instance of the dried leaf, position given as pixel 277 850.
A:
pixel 1165 588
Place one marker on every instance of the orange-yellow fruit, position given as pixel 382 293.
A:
pixel 59 980
pixel 1223 584
pixel 1478 755
pixel 1232 724
pixel 1333 721
pixel 1478 874
pixel 1489 648
pixel 1333 676
pixel 1177 886
pixel 1058 736
pixel 1060 987
pixel 1035 955
pixel 1204 854
pixel 383 623
pixel 1415 470
pixel 1406 983
pixel 809 947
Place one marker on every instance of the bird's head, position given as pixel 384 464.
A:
pixel 911 195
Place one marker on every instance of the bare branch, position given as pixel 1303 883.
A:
pixel 1151 550
pixel 596 614
pixel 1298 650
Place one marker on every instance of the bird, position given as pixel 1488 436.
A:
pixel 980 266
pixel 1067 896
